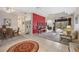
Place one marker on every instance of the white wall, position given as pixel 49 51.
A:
pixel 49 22
pixel 76 14
pixel 14 22
pixel 13 18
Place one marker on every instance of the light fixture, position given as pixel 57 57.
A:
pixel 8 9
pixel 69 29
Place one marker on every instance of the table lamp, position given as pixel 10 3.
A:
pixel 69 29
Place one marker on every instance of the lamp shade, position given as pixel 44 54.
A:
pixel 69 28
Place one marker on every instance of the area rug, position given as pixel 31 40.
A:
pixel 24 46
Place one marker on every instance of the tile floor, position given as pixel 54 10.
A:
pixel 45 45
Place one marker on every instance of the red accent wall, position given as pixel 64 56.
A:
pixel 38 19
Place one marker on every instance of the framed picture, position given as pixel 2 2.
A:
pixel 76 19
pixel 7 22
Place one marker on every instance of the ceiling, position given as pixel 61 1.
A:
pixel 44 10
pixel 47 10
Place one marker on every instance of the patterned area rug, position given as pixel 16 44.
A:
pixel 24 46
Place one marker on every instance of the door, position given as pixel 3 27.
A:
pixel 28 27
pixel 21 25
